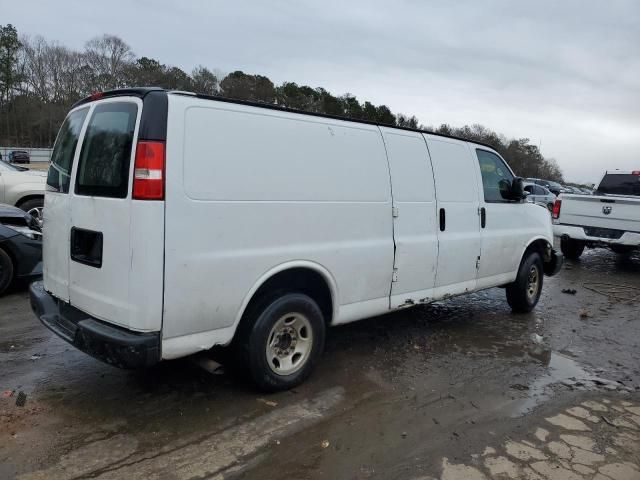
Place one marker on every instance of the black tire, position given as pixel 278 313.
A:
pixel 571 249
pixel 622 249
pixel 522 296
pixel 6 271
pixel 33 204
pixel 257 335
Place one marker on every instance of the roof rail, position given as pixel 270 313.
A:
pixel 142 91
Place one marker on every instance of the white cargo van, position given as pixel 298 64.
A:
pixel 176 222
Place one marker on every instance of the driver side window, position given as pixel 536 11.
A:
pixel 496 176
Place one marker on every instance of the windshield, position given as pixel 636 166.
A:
pixel 620 184
pixel 7 166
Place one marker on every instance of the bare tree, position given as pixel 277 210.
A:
pixel 108 58
pixel 204 80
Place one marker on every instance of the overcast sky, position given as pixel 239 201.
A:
pixel 565 74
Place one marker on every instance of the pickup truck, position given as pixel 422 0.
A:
pixel 608 218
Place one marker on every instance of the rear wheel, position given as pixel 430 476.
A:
pixel 6 270
pixel 572 249
pixel 283 341
pixel 34 208
pixel 524 293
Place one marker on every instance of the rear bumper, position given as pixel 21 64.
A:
pixel 113 345
pixel 554 264
pixel 631 239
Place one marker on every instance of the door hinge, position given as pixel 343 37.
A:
pixel 478 263
pixel 394 276
pixel 394 212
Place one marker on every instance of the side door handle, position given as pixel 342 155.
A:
pixel 483 217
pixel 443 220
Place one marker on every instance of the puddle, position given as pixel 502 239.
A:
pixel 560 369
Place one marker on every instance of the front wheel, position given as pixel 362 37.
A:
pixel 285 341
pixel 572 249
pixel 524 293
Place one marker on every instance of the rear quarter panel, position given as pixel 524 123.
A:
pixel 249 189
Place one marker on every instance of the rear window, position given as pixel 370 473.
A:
pixel 620 184
pixel 103 168
pixel 64 150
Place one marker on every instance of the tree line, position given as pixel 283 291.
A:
pixel 41 79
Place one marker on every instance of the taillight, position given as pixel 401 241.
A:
pixel 148 172
pixel 635 172
pixel 556 209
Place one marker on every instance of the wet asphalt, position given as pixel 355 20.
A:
pixel 392 397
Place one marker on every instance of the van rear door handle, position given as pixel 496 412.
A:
pixel 483 217
pixel 443 220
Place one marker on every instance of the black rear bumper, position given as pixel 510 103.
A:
pixel 113 345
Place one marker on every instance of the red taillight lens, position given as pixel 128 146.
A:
pixel 556 209
pixel 635 172
pixel 148 172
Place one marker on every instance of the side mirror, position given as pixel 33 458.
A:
pixel 517 189
pixel 512 191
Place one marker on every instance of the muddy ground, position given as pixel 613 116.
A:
pixel 458 389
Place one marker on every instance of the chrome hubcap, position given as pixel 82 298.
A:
pixel 289 344
pixel 37 214
pixel 533 282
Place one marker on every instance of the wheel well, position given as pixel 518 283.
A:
pixel 541 246
pixel 27 198
pixel 303 280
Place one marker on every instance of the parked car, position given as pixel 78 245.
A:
pixel 540 195
pixel 22 188
pixel 19 156
pixel 192 221
pixel 553 187
pixel 573 190
pixel 20 246
pixel 608 218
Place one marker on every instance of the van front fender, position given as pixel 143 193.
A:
pixel 552 259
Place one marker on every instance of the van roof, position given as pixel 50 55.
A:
pixel 143 91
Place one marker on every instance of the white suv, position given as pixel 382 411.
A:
pixel 22 188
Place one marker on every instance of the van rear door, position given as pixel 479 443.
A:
pixel 57 206
pixel 112 243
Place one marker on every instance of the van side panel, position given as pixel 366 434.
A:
pixel 248 189
pixel 415 223
pixel 456 179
